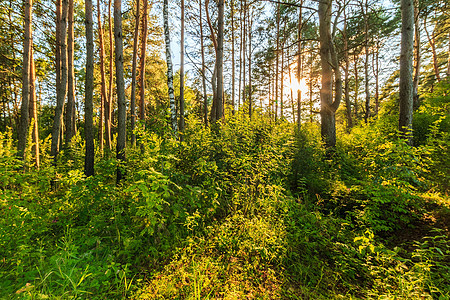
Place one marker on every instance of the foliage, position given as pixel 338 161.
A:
pixel 247 209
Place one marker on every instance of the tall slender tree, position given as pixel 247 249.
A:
pixel 328 62
pixel 89 92
pixel 233 67
pixel 109 102
pixel 61 89
pixel 205 96
pixel 103 77
pixel 120 85
pixel 70 108
pixel 142 60
pixel 172 106
pixel 406 70
pixel 33 112
pixel 182 72
pixel 24 110
pixel 133 74
pixel 299 65
pixel 219 59
pixel 417 53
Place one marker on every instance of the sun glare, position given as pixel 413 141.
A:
pixel 302 86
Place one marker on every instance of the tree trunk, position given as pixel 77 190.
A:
pixel 219 61
pixel 61 89
pixel 282 79
pixel 142 62
pixel 277 61
pixel 406 70
pixel 355 56
pixel 299 67
pixel 70 108
pixel 103 78
pixel 182 72
pixel 133 75
pixel 328 107
pixel 120 84
pixel 233 79
pixel 33 112
pixel 311 61
pixel 250 87
pixel 89 92
pixel 448 62
pixel 346 76
pixel 24 109
pixel 109 102
pixel 377 77
pixel 240 54
pixel 244 50
pixel 169 68
pixel 205 96
pixel 366 62
pixel 292 92
pixel 417 54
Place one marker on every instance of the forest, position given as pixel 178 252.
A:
pixel 240 149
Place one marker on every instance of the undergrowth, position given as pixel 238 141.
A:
pixel 248 210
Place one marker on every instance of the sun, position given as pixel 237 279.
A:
pixel 299 85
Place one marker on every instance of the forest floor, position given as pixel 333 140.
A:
pixel 253 211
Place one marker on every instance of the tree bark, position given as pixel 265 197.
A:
pixel 120 84
pixel 299 67
pixel 376 67
pixel 205 96
pixel 142 62
pixel 355 58
pixel 406 70
pixel 182 72
pixel 70 108
pixel 417 54
pixel 61 89
pixel 233 79
pixel 328 60
pixel 24 109
pixel 103 78
pixel 250 87
pixel 89 92
pixel 169 68
pixel 277 61
pixel 109 102
pixel 219 60
pixel 33 112
pixel 346 76
pixel 133 75
pixel 366 61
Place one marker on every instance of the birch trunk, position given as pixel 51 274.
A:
pixel 205 96
pixel 182 71
pixel 169 68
